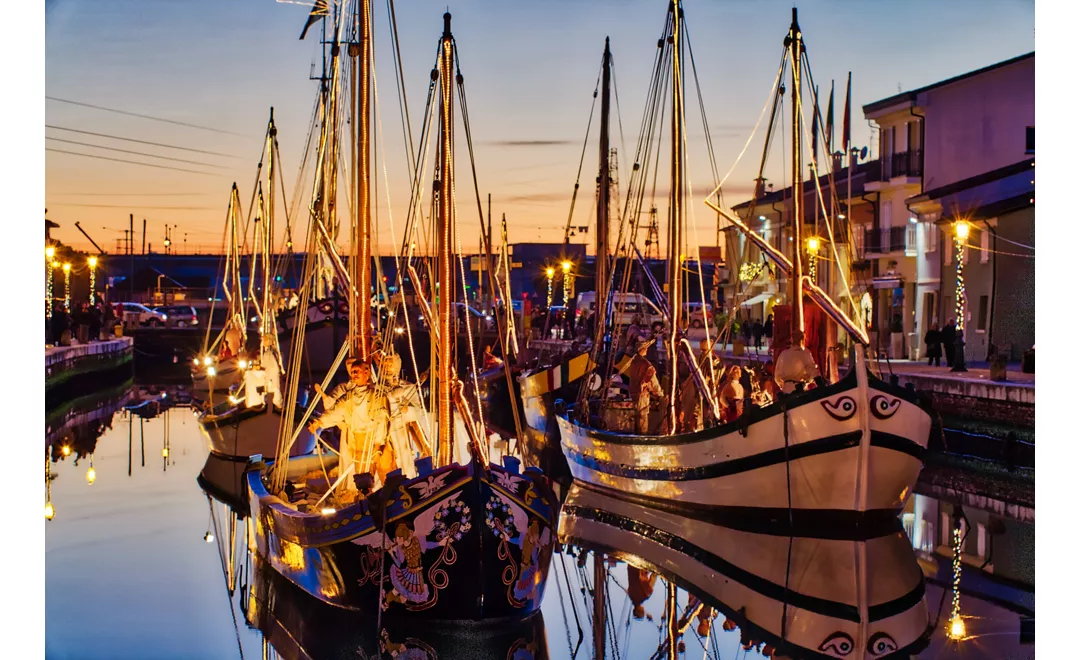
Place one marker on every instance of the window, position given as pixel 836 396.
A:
pixel 984 246
pixel 911 240
pixel 886 214
pixel 930 237
pixel 859 236
pixel 948 251
pixel 1030 139
pixel 984 308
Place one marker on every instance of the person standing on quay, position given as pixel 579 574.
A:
pixel 948 338
pixel 933 346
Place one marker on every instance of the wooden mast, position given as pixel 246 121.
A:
pixel 675 219
pixel 267 320
pixel 794 44
pixel 445 246
pixel 603 200
pixel 363 197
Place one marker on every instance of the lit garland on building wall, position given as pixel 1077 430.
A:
pixel 957 630
pixel 962 230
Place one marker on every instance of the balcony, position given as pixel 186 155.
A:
pixel 904 163
pixel 883 240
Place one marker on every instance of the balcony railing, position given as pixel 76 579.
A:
pixel 904 163
pixel 884 240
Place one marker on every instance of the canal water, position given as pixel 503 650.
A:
pixel 142 562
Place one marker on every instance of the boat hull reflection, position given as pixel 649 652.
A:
pixel 298 627
pixel 840 598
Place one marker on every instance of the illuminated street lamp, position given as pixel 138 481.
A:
pixel 962 231
pixel 813 244
pixel 92 262
pixel 550 276
pixel 67 287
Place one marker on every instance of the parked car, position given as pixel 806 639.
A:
pixel 179 316
pixel 696 316
pixel 136 314
pixel 626 307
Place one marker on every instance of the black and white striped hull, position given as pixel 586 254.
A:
pixel 846 450
pixel 840 598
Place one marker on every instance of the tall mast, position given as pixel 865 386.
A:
pixel 363 166
pixel 794 44
pixel 445 231
pixel 271 141
pixel 675 220
pixel 603 201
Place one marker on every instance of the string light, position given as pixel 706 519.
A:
pixel 962 231
pixel 568 282
pixel 92 261
pixel 957 630
pixel 748 272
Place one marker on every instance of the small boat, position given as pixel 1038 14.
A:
pixel 327 324
pixel 804 597
pixel 846 453
pixel 467 538
pixel 222 477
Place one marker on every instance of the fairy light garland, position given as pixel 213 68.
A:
pixel 812 246
pixel 568 283
pixel 748 272
pixel 67 287
pixel 957 630
pixel 50 510
pixel 92 262
pixel 50 264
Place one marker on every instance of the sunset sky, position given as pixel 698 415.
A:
pixel 213 69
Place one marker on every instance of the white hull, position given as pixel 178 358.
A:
pixel 242 432
pixel 855 446
pixel 227 373
pixel 849 599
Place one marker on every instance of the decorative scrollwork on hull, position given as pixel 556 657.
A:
pixel 880 644
pixel 838 645
pixel 841 409
pixel 883 407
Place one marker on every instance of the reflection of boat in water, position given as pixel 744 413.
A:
pixel 222 477
pixel 299 626
pixel 806 597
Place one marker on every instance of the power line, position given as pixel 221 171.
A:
pixel 138 206
pixel 136 153
pixel 135 114
pixel 124 194
pixel 133 162
pixel 154 144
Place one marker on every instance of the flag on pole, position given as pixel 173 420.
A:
pixel 829 119
pixel 814 126
pixel 847 116
pixel 321 9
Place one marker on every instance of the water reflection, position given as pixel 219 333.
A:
pixel 153 560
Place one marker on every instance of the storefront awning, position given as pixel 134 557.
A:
pixel 757 300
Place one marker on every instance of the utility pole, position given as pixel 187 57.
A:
pixel 131 251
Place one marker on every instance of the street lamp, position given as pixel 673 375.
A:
pixel 550 276
pixel 67 287
pixel 568 282
pixel 962 230
pixel 92 262
pixel 813 244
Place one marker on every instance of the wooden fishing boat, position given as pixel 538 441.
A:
pixel 464 539
pixel 806 597
pixel 327 325
pixel 241 430
pixel 844 453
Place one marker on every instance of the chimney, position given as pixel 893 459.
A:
pixel 759 188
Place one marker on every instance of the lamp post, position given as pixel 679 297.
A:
pixel 962 230
pixel 50 263
pixel 813 244
pixel 550 272
pixel 92 262
pixel 568 283
pixel 67 287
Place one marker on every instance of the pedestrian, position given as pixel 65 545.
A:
pixel 60 325
pixel 948 338
pixel 933 346
pixel 768 329
pixel 108 320
pixel 82 323
pixel 95 323
pixel 747 331
pixel 759 332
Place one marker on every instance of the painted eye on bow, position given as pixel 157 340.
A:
pixel 880 644
pixel 883 407
pixel 841 410
pixel 838 644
